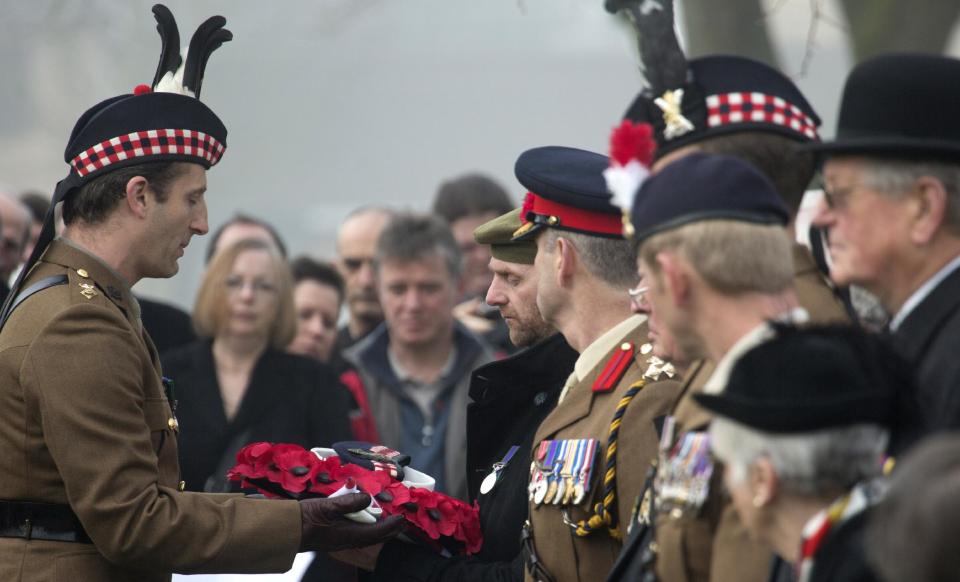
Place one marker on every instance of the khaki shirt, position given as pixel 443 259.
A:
pixel 585 414
pixel 85 421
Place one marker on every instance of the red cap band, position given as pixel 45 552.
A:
pixel 577 219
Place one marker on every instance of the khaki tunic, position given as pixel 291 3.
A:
pixel 715 546
pixel 84 421
pixel 587 414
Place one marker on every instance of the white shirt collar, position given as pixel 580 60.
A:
pixel 756 336
pixel 921 293
pixel 591 355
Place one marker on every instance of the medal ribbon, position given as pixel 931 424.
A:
pixel 591 453
pixel 810 545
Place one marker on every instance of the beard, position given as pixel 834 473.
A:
pixel 527 333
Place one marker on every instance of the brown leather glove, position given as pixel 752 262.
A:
pixel 325 529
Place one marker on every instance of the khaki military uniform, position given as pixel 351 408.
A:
pixel 713 545
pixel 85 422
pixel 813 291
pixel 584 414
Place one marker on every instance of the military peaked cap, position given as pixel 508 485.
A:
pixel 498 233
pixel 566 191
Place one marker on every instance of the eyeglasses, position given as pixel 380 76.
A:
pixel 637 293
pixel 236 284
pixel 840 197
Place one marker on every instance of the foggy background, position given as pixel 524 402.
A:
pixel 332 104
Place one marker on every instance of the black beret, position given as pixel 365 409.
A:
pixel 900 104
pixel 804 380
pixel 731 94
pixel 705 187
pixel 133 129
pixel 567 191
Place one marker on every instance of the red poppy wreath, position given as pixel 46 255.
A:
pixel 289 471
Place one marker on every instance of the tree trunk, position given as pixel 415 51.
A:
pixel 879 26
pixel 735 27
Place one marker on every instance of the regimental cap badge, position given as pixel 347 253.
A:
pixel 675 124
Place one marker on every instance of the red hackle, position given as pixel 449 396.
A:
pixel 632 141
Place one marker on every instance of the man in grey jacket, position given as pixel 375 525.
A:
pixel 416 366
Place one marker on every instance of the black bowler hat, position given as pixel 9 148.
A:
pixel 807 379
pixel 161 122
pixel 900 104
pixel 700 187
pixel 566 191
pixel 687 102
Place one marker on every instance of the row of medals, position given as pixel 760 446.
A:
pixel 561 473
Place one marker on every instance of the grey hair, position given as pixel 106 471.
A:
pixel 897 176
pixel 813 463
pixel 413 237
pixel 612 260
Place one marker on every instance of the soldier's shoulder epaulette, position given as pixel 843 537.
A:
pixel 83 289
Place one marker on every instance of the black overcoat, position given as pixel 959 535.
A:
pixel 928 338
pixel 290 399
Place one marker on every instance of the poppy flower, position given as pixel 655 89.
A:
pixel 286 470
pixel 252 461
pixel 294 467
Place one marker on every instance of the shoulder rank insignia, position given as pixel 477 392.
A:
pixel 616 366
pixel 88 290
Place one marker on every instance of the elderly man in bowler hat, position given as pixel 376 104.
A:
pixel 89 429
pixel 892 183
pixel 591 453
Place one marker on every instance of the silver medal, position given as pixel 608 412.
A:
pixel 561 485
pixel 486 486
pixel 540 491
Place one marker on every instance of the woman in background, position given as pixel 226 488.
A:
pixel 237 384
pixel 318 296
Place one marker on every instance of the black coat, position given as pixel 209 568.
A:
pixel 290 399
pixel 169 327
pixel 510 398
pixel 928 338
